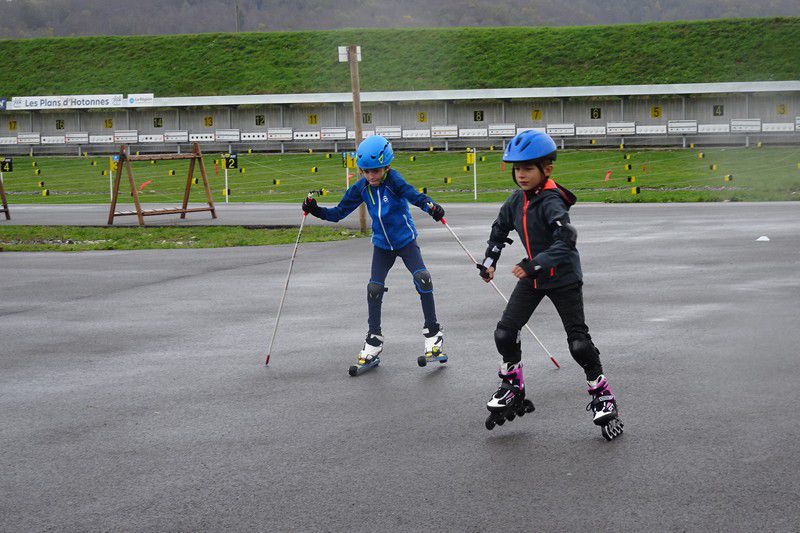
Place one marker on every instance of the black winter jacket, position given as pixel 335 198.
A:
pixel 541 219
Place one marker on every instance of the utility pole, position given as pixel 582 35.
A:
pixel 352 54
pixel 237 16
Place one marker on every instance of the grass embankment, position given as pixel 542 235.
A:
pixel 405 59
pixel 82 238
pixel 769 173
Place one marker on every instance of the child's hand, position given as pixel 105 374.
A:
pixel 487 273
pixel 526 268
pixel 436 211
pixel 310 206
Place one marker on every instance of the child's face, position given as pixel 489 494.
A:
pixel 375 175
pixel 529 176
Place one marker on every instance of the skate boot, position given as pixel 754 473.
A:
pixel 509 401
pixel 604 408
pixel 434 344
pixel 368 358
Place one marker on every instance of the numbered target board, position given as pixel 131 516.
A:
pixel 6 164
pixel 232 161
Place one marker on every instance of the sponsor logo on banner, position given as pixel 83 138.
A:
pixel 141 100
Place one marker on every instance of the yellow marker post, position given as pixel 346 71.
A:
pixel 46 192
pixel 314 170
pixel 448 180
pixel 276 182
pixel 635 190
pixel 631 179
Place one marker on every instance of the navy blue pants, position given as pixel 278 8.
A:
pixel 382 262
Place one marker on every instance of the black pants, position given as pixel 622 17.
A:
pixel 568 301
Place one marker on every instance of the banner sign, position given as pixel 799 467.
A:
pixel 85 101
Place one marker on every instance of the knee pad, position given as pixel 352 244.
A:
pixel 507 342
pixel 583 349
pixel 423 282
pixel 375 292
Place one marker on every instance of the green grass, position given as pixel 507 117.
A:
pixel 82 238
pixel 405 59
pixel 673 175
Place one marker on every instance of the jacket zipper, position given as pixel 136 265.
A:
pixel 380 219
pixel 525 225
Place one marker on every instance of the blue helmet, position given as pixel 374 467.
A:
pixel 374 152
pixel 529 145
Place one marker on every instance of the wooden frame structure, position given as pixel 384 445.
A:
pixel 5 204
pixel 195 157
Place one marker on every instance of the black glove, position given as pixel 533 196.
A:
pixel 436 211
pixel 531 268
pixel 310 206
pixel 483 271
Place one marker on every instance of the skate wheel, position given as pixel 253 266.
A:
pixel 489 423
pixel 511 416
pixel 528 406
pixel 501 421
pixel 421 361
pixel 612 430
pixel 521 412
pixel 353 370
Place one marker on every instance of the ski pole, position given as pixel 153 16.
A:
pixel 286 285
pixel 503 296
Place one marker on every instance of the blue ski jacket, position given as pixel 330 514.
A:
pixel 392 226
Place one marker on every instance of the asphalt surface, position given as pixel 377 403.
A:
pixel 134 396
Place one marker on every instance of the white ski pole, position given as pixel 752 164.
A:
pixel 503 296
pixel 286 285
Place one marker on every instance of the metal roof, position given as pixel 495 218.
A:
pixel 484 94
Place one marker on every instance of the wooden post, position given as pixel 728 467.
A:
pixel 209 198
pixel 3 197
pixel 352 56
pixel 115 187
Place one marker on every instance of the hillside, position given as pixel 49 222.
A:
pixel 405 59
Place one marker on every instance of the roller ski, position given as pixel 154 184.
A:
pixel 434 345
pixel 604 408
pixel 369 356
pixel 509 401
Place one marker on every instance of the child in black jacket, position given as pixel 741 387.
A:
pixel 552 268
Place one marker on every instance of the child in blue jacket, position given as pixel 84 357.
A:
pixel 387 196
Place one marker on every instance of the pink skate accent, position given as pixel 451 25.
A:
pixel 514 376
pixel 601 389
